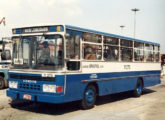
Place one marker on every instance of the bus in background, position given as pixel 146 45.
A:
pixel 63 63
pixel 5 60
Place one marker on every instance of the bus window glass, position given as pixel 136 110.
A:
pixel 111 53
pixel 50 51
pixel 138 54
pixel 25 50
pixel 138 45
pixel 157 54
pixel 126 43
pixel 110 40
pixel 126 50
pixel 149 47
pixel 42 52
pixel 126 54
pixel 156 48
pixel 73 47
pixel 138 51
pixel 15 47
pixel 92 52
pixel 17 51
pixel 89 37
pixel 149 56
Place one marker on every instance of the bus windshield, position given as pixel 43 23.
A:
pixel 38 52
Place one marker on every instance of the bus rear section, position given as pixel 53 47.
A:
pixel 44 87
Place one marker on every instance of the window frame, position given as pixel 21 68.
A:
pixel 105 44
pixel 139 48
pixel 127 47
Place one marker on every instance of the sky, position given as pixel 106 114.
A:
pixel 101 15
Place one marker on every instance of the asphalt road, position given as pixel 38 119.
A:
pixel 150 106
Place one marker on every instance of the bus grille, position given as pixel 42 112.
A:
pixel 29 86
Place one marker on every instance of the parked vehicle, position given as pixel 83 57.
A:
pixel 63 63
pixel 5 61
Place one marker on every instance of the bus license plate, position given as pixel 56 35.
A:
pixel 27 97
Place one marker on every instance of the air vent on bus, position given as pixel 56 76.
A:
pixel 29 86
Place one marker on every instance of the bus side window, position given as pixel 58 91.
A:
pixel 126 50
pixel 73 47
pixel 149 55
pixel 92 52
pixel 111 53
pixel 73 52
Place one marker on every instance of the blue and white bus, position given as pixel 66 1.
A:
pixel 62 63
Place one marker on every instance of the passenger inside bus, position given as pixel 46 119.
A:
pixel 111 54
pixel 89 53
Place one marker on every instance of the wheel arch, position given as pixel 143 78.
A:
pixel 96 86
pixel 141 78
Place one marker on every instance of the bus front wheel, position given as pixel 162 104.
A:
pixel 89 97
pixel 139 88
pixel 2 83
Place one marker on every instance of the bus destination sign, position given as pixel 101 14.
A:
pixel 35 30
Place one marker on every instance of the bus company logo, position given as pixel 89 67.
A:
pixel 93 76
pixel 94 66
pixel 30 81
pixel 127 67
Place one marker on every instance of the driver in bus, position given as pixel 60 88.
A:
pixel 45 55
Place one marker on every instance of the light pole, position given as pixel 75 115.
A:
pixel 135 10
pixel 122 26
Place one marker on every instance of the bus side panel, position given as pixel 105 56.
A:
pixel 122 85
pixel 151 80
pixel 74 87
pixel 116 86
pixel 105 87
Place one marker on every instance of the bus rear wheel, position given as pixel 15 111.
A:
pixel 2 83
pixel 89 97
pixel 139 88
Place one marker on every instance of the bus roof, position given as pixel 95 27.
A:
pixel 109 34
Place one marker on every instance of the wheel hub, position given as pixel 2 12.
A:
pixel 89 96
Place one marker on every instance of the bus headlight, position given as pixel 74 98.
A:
pixel 49 88
pixel 13 84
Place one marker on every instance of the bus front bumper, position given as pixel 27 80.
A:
pixel 35 97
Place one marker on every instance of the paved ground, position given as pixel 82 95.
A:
pixel 150 106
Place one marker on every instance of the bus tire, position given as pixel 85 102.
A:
pixel 89 97
pixel 139 88
pixel 2 83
